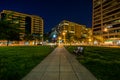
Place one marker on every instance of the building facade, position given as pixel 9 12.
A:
pixel 72 31
pixel 29 24
pixel 106 19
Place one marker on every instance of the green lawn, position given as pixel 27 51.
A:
pixel 16 62
pixel 103 62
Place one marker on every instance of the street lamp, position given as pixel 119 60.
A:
pixel 54 37
pixel 64 36
pixel 90 39
pixel 41 36
pixel 59 38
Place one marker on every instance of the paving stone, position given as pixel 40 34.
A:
pixel 60 65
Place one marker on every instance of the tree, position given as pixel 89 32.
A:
pixel 98 38
pixel 83 38
pixel 37 37
pixel 46 36
pixel 28 37
pixel 9 30
pixel 68 37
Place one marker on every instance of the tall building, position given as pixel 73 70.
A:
pixel 67 29
pixel 29 24
pixel 106 19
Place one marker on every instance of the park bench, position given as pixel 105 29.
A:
pixel 79 51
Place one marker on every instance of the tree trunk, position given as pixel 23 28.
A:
pixel 7 42
pixel 35 42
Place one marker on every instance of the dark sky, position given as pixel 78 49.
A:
pixel 53 11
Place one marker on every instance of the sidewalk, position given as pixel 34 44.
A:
pixel 59 65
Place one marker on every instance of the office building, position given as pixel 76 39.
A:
pixel 72 31
pixel 29 24
pixel 106 19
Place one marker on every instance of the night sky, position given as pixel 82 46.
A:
pixel 53 11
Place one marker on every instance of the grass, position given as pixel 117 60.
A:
pixel 103 62
pixel 16 62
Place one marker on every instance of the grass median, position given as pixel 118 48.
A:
pixel 103 62
pixel 17 61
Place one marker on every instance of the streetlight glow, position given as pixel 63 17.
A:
pixel 63 33
pixel 64 36
pixel 90 40
pixel 54 36
pixel 59 38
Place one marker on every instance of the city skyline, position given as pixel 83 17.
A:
pixel 78 11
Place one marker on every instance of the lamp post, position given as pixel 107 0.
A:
pixel 90 40
pixel 59 38
pixel 41 36
pixel 54 38
pixel 64 37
